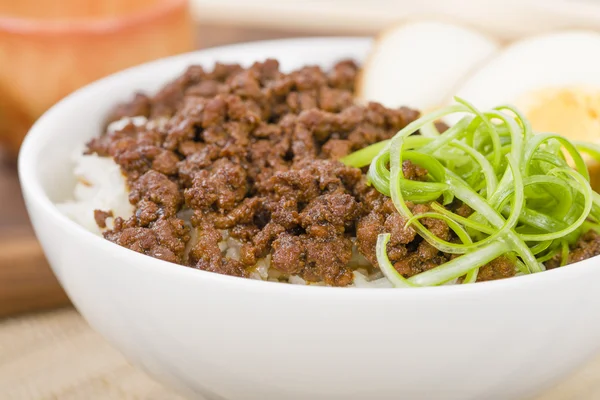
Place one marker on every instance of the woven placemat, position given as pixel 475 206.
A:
pixel 56 355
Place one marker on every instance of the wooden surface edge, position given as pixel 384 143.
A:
pixel 26 280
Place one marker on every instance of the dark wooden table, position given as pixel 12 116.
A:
pixel 26 282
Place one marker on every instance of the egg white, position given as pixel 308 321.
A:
pixel 537 67
pixel 419 64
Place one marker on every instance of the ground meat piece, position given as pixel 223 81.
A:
pixel 208 88
pixel 261 243
pixel 463 210
pixel 326 260
pixel 395 224
pixel 586 247
pixel 307 78
pixel 201 157
pixel 190 147
pixel 244 232
pixel 343 75
pixel 413 171
pixel 414 263
pixel 223 71
pixel 146 212
pixel 267 71
pixel 319 123
pixel 334 100
pixel 302 185
pixel 315 259
pixel 441 126
pixel 101 216
pixel 206 251
pixel 267 131
pixel 136 160
pixel 335 176
pixel 289 254
pixel 298 183
pixel 183 126
pixel 206 254
pixel 499 268
pixel 426 251
pixel 300 101
pixel 223 186
pixel 243 110
pixel 173 234
pixel 285 213
pixel 338 210
pixel 156 188
pixel 165 162
pixel 165 239
pixel 238 139
pixel 337 148
pixel 350 118
pixel 437 226
pixel 242 214
pixel 266 159
pixel 401 117
pixel 368 229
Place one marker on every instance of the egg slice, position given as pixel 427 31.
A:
pixel 419 64
pixel 553 79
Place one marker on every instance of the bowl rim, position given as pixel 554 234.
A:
pixel 34 192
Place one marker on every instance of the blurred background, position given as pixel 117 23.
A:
pixel 50 48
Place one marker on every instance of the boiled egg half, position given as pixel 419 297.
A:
pixel 419 64
pixel 554 79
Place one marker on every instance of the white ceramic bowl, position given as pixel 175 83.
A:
pixel 219 337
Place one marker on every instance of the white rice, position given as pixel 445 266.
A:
pixel 101 186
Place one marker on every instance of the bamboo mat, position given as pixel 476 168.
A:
pixel 56 355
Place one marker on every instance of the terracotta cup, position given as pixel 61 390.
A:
pixel 50 48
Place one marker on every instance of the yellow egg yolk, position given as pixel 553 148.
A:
pixel 573 112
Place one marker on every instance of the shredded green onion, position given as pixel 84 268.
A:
pixel 528 204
